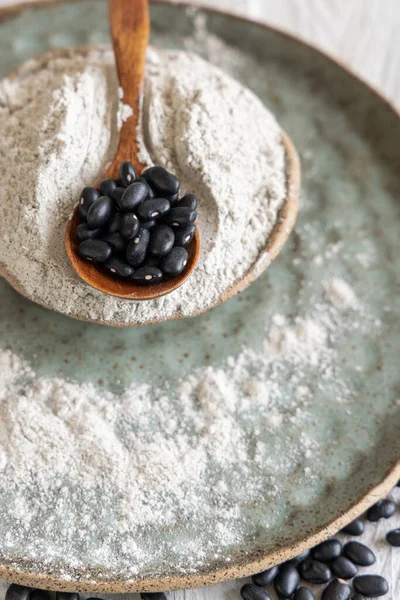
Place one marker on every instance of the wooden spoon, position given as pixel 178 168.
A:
pixel 130 30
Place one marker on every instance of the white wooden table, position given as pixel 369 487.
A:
pixel 365 35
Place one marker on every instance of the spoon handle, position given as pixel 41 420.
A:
pixel 130 31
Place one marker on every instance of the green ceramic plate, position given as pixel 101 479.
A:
pixel 328 440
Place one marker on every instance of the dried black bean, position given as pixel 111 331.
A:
pixel 253 592
pixel 17 592
pixel 137 248
pixel 153 596
pixel 113 225
pixel 84 232
pixel 343 567
pixel 88 196
pixel 287 581
pixel 393 538
pixel 107 187
pixel 117 194
pixel 184 235
pixel 265 577
pixel 359 554
pixel 116 266
pixel 190 201
pixel 172 199
pixel 336 590
pixel 355 528
pixel 96 251
pixel 315 571
pixel 39 595
pixel 134 195
pixel 162 239
pixel 67 596
pixel 173 263
pixel 303 593
pixel 116 241
pixel 148 224
pixel 101 212
pixel 358 597
pixel 371 586
pixel 151 261
pixel 180 216
pixel 151 193
pixel 162 181
pixel 327 551
pixel 127 173
pixel 297 560
pixel 147 276
pixel 129 225
pixel 383 509
pixel 153 209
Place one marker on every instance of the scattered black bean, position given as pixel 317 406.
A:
pixel 336 590
pixel 67 596
pixel 359 554
pixel 17 592
pixel 88 196
pixel 137 248
pixel 134 195
pixel 384 509
pixel 371 586
pixel 148 224
pixel 39 595
pixel 343 567
pixel 190 201
pixel 84 232
pixel 355 528
pixel 303 593
pixel 101 212
pixel 184 235
pixel 129 226
pixel 297 560
pixel 147 276
pixel 107 187
pixel 393 538
pixel 180 216
pixel 153 209
pixel 327 551
pixel 153 596
pixel 315 571
pixel 127 173
pixel 95 251
pixel 162 181
pixel 173 263
pixel 162 239
pixel 287 581
pixel 117 194
pixel 253 592
pixel 265 577
pixel 118 267
pixel 116 241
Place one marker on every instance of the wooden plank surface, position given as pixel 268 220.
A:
pixel 363 34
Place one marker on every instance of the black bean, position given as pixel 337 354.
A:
pixel 127 173
pixel 327 551
pixel 117 194
pixel 117 266
pixel 190 201
pixel 84 232
pixel 336 590
pixel 393 538
pixel 355 528
pixel 359 554
pixel 39 595
pixel 67 596
pixel 343 567
pixel 151 193
pixel 287 581
pixel 153 596
pixel 116 241
pixel 173 198
pixel 107 187
pixel 315 571
pixel 137 248
pixel 113 225
pixel 133 196
pixel 153 209
pixel 398 483
pixel 129 226
pixel 147 276
pixel 151 261
pixel 101 212
pixel 184 235
pixel 254 592
pixel 358 597
pixel 371 586
pixel 88 196
pixel 297 560
pixel 162 181
pixel 180 216
pixel 265 577
pixel 162 239
pixel 148 224
pixel 17 592
pixel 303 593
pixel 173 263
pixel 95 250
pixel 383 509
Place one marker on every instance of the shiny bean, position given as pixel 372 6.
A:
pixel 180 216
pixel 116 266
pixel 184 235
pixel 162 239
pixel 371 586
pixel 336 590
pixel 88 196
pixel 359 554
pixel 153 209
pixel 101 212
pixel 189 201
pixel 96 251
pixel 127 173
pixel 137 248
pixel 327 551
pixel 252 592
pixel 133 196
pixel 116 241
pixel 163 182
pixel 315 571
pixel 173 263
pixel 287 580
pixel 265 577
pixel 107 187
pixel 343 568
pixel 147 276
pixel 84 232
pixel 129 226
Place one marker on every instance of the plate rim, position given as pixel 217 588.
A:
pixel 388 480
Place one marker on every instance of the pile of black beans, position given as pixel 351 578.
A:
pixel 137 228
pixel 20 592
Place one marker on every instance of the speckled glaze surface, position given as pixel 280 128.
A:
pixel 348 139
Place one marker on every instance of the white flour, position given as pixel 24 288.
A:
pixel 61 128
